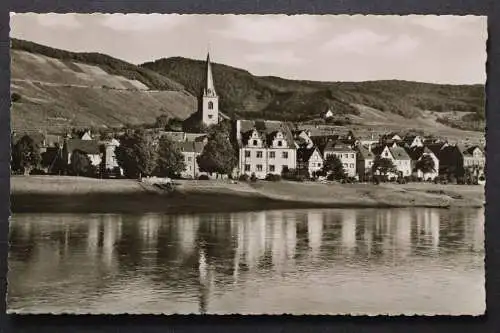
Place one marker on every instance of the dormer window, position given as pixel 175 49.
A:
pixel 255 142
pixel 280 143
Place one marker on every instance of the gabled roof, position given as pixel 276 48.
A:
pixel 90 147
pixel 436 148
pixel 304 154
pixel 191 146
pixel 337 146
pixel 416 153
pixel 365 153
pixel 399 153
pixel 267 130
pixel 468 151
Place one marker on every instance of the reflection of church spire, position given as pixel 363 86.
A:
pixel 204 282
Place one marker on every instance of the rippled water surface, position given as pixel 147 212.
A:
pixel 376 261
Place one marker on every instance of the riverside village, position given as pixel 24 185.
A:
pixel 301 164
pixel 249 150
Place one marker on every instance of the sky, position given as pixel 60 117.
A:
pixel 437 49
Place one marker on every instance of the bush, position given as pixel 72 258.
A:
pixel 243 178
pixel 253 178
pixel 273 177
pixel 203 177
pixel 37 172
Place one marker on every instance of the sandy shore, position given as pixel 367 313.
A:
pixel 78 194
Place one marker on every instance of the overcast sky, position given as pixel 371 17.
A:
pixel 441 49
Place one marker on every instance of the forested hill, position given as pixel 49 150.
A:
pixel 56 90
pixel 247 95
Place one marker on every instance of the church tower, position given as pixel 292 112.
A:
pixel 209 100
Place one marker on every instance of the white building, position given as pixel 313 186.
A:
pixel 345 153
pixel 400 158
pixel 265 147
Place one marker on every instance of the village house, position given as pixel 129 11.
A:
pixel 399 157
pixel 328 114
pixel 457 159
pixel 110 162
pixel 309 159
pixel 89 147
pixel 345 153
pixel 412 140
pixel 364 161
pixel 474 157
pixel 303 138
pixel 265 147
pixel 416 154
pixel 191 150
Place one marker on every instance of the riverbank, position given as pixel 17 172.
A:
pixel 79 195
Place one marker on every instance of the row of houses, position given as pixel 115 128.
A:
pixel 269 147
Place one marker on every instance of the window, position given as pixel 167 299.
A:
pixel 190 158
pixel 284 154
pixel 345 165
pixel 352 155
pixel 259 167
pixel 284 168
pixel 247 153
pixel 259 154
pixel 210 105
pixel 247 167
pixel 280 143
pixel 272 154
pixel 271 168
pixel 210 116
pixel 351 165
pixel 319 165
pixel 346 155
pixel 255 142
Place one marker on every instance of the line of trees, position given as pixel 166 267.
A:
pixel 140 154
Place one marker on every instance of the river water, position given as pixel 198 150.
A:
pixel 358 261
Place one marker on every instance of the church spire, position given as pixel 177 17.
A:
pixel 209 83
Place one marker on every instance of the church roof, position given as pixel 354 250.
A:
pixel 209 88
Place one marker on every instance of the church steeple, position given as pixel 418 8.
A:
pixel 209 89
pixel 209 101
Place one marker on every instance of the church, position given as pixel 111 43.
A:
pixel 264 147
pixel 208 105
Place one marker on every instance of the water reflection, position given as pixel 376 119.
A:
pixel 257 262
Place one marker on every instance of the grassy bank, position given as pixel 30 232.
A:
pixel 77 194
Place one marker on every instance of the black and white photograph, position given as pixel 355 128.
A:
pixel 247 164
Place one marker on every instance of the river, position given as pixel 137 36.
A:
pixel 334 261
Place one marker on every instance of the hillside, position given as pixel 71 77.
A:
pixel 57 90
pixel 244 94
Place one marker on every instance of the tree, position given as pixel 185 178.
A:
pixel 426 164
pixel 383 165
pixel 334 168
pixel 80 163
pixel 26 155
pixel 219 155
pixel 137 154
pixel 170 158
pixel 162 121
